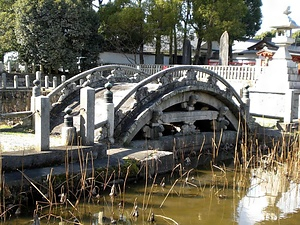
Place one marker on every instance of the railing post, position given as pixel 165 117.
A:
pixel 27 81
pixel 108 95
pixel 9 67
pixel 16 82
pixel 46 82
pixel 42 123
pixel 63 78
pixel 81 81
pixel 3 80
pixel 87 115
pixel 246 100
pixel 36 92
pixel 1 67
pixel 54 82
pixel 68 132
pixel 38 75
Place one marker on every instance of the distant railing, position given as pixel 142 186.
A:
pixel 249 73
pixel 242 73
pixel 25 81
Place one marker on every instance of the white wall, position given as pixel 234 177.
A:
pixel 119 58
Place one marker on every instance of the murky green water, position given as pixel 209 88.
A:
pixel 199 197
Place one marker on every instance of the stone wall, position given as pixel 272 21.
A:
pixel 15 100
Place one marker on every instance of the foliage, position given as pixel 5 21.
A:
pixel 122 26
pixel 252 19
pixel 53 33
pixel 163 18
pixel 296 36
pixel 267 34
pixel 7 36
pixel 211 18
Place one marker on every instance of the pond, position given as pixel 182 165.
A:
pixel 219 195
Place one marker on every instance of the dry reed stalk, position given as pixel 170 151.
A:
pixel 92 179
pixel 124 189
pixel 167 218
pixel 31 183
pixel 50 192
pixel 151 189
pixel 172 187
pixel 106 174
pixel 146 183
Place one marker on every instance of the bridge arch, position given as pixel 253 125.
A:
pixel 178 101
pixel 189 99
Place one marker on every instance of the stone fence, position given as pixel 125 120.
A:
pixel 25 81
pixel 230 73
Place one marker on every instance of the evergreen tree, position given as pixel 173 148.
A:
pixel 8 40
pixel 54 33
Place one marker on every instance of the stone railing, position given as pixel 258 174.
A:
pixel 25 81
pixel 229 73
pixel 248 73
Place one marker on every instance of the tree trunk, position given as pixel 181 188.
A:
pixel 158 55
pixel 171 60
pixel 197 53
pixel 141 52
pixel 175 47
pixel 209 51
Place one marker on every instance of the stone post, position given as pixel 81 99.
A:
pixel 110 114
pixel 68 132
pixel 16 82
pixel 63 78
pixel 1 67
pixel 36 92
pixel 42 123
pixel 3 80
pixel 87 115
pixel 9 67
pixel 27 81
pixel 38 75
pixel 81 81
pixel 288 107
pixel 46 82
pixel 54 82
pixel 246 100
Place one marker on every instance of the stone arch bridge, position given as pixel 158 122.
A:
pixel 184 107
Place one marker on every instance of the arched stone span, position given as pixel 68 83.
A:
pixel 190 103
pixel 187 99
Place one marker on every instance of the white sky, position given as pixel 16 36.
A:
pixel 272 8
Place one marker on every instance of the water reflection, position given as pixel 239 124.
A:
pixel 203 197
pixel 270 197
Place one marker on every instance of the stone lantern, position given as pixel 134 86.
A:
pixel 277 91
pixel 283 37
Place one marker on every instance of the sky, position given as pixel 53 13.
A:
pixel 272 8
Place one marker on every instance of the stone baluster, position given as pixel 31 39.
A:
pixel 1 67
pixel 46 82
pixel 87 115
pixel 54 82
pixel 246 100
pixel 16 81
pixel 9 67
pixel 68 132
pixel 81 81
pixel 63 78
pixel 3 80
pixel 42 123
pixel 38 75
pixel 27 81
pixel 110 114
pixel 36 92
